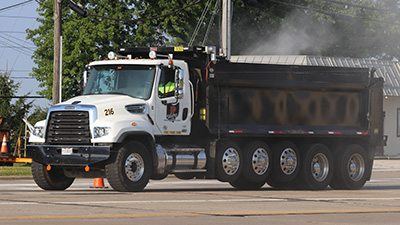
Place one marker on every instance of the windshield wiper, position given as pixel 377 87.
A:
pixel 115 92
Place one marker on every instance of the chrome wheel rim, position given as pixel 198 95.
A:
pixel 260 161
pixel 320 167
pixel 134 167
pixel 288 161
pixel 356 167
pixel 230 161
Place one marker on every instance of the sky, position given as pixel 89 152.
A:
pixel 15 50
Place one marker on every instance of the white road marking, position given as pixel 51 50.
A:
pixel 16 202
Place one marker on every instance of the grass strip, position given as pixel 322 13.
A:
pixel 19 169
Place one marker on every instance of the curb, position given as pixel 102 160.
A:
pixel 15 177
pixel 387 158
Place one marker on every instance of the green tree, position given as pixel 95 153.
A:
pixel 38 114
pixel 12 112
pixel 91 38
pixel 84 40
pixel 314 27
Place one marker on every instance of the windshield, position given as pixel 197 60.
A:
pixel 135 81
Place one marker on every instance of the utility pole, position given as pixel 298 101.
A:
pixel 226 28
pixel 57 51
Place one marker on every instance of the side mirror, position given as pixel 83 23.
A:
pixel 85 77
pixel 179 77
pixel 85 74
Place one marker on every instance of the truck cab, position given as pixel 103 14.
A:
pixel 125 102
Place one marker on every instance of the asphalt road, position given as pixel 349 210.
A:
pixel 173 201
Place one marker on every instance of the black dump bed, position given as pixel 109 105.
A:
pixel 263 99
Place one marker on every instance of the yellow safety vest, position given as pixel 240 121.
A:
pixel 169 87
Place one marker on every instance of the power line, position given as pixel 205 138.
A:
pixel 22 96
pixel 333 14
pixel 14 32
pixel 22 78
pixel 18 47
pixel 15 5
pixel 7 39
pixel 363 7
pixel 19 71
pixel 28 51
pixel 18 39
pixel 19 17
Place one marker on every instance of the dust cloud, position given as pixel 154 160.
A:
pixel 299 35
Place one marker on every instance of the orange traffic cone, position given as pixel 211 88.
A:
pixel 4 145
pixel 98 183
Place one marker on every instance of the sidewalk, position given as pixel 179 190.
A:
pixel 386 164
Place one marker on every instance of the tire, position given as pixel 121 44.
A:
pixel 256 166
pixel 131 169
pixel 243 184
pixel 50 180
pixel 285 162
pixel 316 169
pixel 350 168
pixel 228 161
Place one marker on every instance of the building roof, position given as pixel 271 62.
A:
pixel 389 70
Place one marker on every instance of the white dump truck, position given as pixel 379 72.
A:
pixel 151 112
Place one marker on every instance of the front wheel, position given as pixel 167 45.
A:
pixel 50 180
pixel 350 168
pixel 131 169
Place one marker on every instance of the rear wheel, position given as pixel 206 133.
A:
pixel 131 170
pixel 256 161
pixel 316 169
pixel 228 161
pixel 256 166
pixel 351 166
pixel 285 163
pixel 50 180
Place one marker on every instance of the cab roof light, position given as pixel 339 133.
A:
pixel 152 55
pixel 112 55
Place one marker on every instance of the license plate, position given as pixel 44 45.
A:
pixel 66 151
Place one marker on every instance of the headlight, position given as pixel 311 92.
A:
pixel 136 108
pixel 101 131
pixel 38 131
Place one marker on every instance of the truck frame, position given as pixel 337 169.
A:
pixel 293 127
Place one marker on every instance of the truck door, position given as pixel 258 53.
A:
pixel 172 113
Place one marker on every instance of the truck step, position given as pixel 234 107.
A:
pixel 179 151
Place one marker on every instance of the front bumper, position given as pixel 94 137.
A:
pixel 76 155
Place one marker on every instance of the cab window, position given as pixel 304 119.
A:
pixel 166 86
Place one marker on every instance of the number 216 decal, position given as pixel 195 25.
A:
pixel 109 112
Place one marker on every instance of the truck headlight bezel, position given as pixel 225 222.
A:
pixel 38 131
pixel 99 132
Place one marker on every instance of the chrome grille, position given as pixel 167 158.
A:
pixel 68 127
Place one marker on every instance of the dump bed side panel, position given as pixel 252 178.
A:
pixel 260 99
